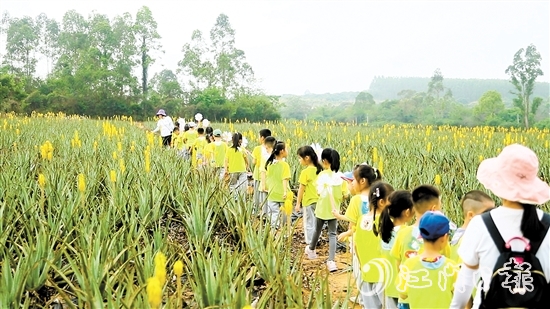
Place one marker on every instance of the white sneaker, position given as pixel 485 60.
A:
pixel 311 254
pixel 356 299
pixel 331 265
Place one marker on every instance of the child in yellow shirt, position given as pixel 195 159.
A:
pixel 330 187
pixel 257 154
pixel 408 241
pixel 397 213
pixel 307 193
pixel 277 182
pixel 236 165
pixel 427 279
pixel 215 153
pixel 198 149
pixel 269 143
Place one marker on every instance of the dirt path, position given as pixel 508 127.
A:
pixel 341 283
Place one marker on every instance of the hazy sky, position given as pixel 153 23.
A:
pixel 335 46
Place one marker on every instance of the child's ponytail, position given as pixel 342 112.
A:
pixel 398 202
pixel 308 151
pixel 332 157
pixel 279 146
pixel 236 141
pixel 378 191
pixel 385 226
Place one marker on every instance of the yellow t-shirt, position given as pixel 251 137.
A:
pixel 236 160
pixel 323 210
pixel 355 208
pixel 198 149
pixel 308 178
pixel 390 274
pixel 177 141
pixel 257 156
pixel 409 243
pixel 367 249
pixel 276 173
pixel 215 152
pixel 189 137
pixel 428 284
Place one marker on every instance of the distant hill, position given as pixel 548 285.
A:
pixel 464 90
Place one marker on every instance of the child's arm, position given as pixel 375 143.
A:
pixel 300 197
pixel 339 216
pixel 348 233
pixel 285 188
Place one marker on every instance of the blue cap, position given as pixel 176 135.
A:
pixel 347 176
pixel 433 225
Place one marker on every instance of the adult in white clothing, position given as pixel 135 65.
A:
pixel 165 126
pixel 512 176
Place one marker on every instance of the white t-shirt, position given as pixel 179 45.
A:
pixel 478 248
pixel 165 126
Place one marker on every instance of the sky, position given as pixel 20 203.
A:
pixel 335 46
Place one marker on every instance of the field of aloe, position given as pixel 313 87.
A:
pixel 95 214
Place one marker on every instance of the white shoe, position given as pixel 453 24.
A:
pixel 331 265
pixel 356 299
pixel 311 254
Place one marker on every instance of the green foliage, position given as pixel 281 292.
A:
pixel 12 93
pixel 91 63
pixel 488 107
pixel 523 74
pixel 464 91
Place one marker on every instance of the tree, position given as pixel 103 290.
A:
pixel 148 40
pixel 523 74
pixel 233 73
pixel 21 42
pixel 218 64
pixel 49 35
pixel 363 104
pixel 489 106
pixel 166 85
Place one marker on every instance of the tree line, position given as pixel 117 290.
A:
pixel 101 67
pixel 435 103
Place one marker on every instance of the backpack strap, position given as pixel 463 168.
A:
pixel 493 231
pixel 535 245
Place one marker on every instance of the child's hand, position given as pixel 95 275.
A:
pixel 297 208
pixel 343 236
pixel 335 212
pixel 284 196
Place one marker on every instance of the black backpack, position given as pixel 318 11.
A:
pixel 518 280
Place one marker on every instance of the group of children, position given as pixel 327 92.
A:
pixel 396 265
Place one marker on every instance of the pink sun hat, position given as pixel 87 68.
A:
pixel 512 175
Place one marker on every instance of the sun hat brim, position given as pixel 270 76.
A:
pixel 491 173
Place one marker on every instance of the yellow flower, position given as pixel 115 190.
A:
pixel 429 147
pixel 114 155
pixel 154 292
pixel 287 207
pixel 41 181
pixel 112 176
pixel 160 267
pixel 147 161
pixel 178 268
pixel 437 180
pixel 122 165
pixel 247 307
pixel 81 183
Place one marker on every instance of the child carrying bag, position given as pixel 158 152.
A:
pixel 518 280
